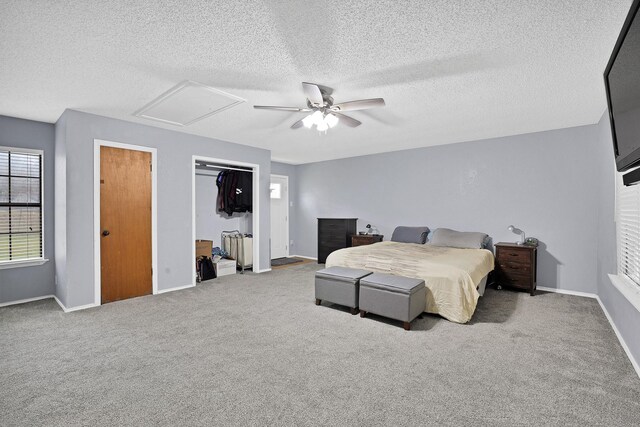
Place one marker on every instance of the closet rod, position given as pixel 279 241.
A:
pixel 211 166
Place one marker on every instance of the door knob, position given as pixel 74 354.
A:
pixel 105 233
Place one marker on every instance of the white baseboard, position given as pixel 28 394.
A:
pixel 23 301
pixel 266 270
pixel 177 288
pixel 77 308
pixel 305 257
pixel 567 292
pixel 633 361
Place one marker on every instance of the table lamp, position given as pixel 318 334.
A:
pixel 517 231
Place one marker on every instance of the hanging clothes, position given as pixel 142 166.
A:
pixel 220 185
pixel 244 192
pixel 235 192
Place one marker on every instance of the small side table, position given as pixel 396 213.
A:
pixel 516 266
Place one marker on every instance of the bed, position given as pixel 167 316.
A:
pixel 454 278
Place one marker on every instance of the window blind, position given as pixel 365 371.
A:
pixel 628 230
pixel 20 205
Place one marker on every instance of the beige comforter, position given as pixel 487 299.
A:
pixel 450 275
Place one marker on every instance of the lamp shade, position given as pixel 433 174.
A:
pixel 331 120
pixel 308 121
pixel 317 118
pixel 322 126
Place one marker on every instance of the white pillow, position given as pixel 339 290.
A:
pixel 458 239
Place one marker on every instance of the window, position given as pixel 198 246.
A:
pixel 20 205
pixel 276 190
pixel 628 230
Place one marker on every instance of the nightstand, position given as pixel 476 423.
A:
pixel 365 239
pixel 516 266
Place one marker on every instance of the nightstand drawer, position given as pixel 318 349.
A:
pixel 360 240
pixel 514 255
pixel 523 282
pixel 515 268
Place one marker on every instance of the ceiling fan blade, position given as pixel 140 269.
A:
pixel 297 124
pixel 313 93
pixel 274 107
pixel 361 104
pixel 349 121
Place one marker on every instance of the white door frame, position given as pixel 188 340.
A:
pixel 286 179
pixel 97 263
pixel 255 210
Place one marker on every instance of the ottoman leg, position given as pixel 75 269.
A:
pixel 318 301
pixel 363 313
pixel 354 310
pixel 407 326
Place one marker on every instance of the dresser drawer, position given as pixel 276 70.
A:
pixel 333 240
pixel 523 282
pixel 513 255
pixel 515 268
pixel 330 224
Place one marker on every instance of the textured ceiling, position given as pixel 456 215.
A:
pixel 449 70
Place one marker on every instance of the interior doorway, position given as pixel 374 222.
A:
pixel 125 221
pixel 279 196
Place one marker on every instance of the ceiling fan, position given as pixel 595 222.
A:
pixel 324 114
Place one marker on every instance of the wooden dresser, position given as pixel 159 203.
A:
pixel 334 234
pixel 516 266
pixel 365 239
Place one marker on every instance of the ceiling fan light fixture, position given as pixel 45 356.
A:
pixel 322 126
pixel 331 120
pixel 324 113
pixel 317 118
pixel 308 121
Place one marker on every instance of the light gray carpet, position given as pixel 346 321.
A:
pixel 255 350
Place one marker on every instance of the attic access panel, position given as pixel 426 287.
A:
pixel 187 103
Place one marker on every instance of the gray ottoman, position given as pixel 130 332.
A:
pixel 395 297
pixel 339 285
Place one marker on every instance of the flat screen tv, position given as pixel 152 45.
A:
pixel 622 83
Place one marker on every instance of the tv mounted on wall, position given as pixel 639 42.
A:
pixel 622 83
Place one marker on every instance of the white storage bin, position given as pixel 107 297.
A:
pixel 225 267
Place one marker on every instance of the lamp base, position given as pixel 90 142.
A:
pixel 519 243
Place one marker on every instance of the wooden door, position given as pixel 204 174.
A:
pixel 125 223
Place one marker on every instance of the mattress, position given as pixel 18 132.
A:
pixel 451 275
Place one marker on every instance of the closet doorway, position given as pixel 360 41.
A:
pixel 279 196
pixel 210 222
pixel 124 221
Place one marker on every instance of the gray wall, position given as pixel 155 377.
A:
pixel 30 282
pixel 625 316
pixel 290 171
pixel 175 152
pixel 542 183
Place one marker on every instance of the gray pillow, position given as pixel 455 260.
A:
pixel 410 234
pixel 458 239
